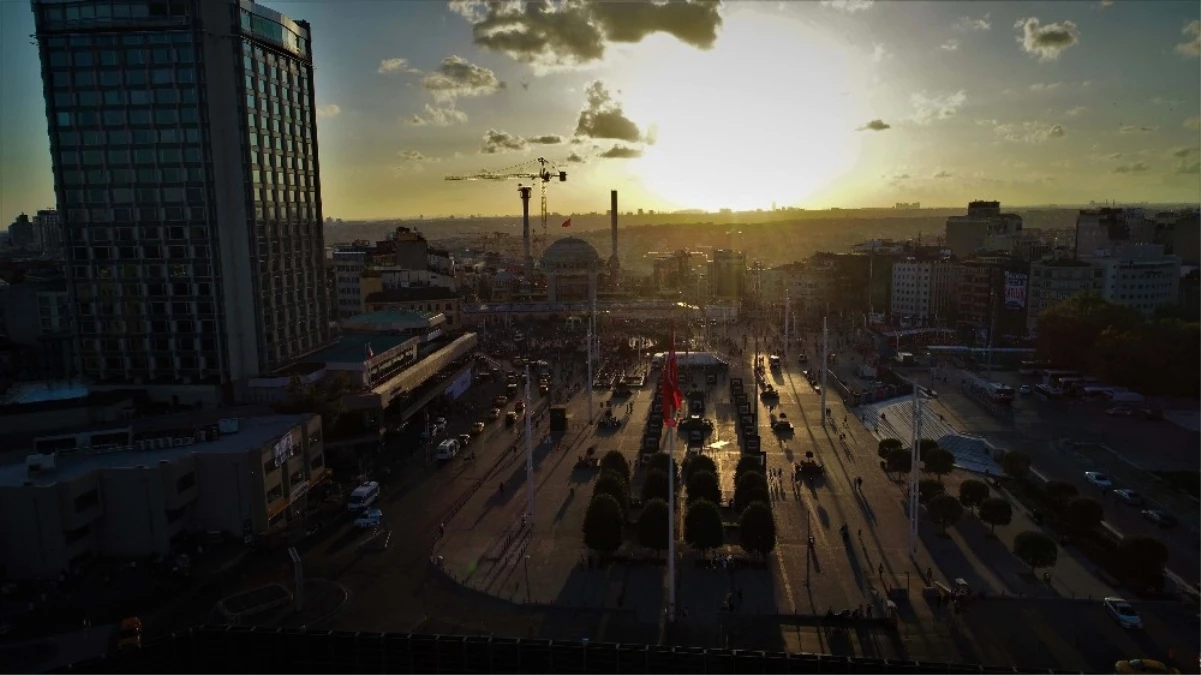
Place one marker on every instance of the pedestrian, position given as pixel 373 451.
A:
pixel 442 529
pixel 881 569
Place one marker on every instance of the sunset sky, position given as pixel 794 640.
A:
pixel 697 105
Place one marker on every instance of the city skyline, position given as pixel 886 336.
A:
pixel 1084 101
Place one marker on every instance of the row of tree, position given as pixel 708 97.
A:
pixel 1116 343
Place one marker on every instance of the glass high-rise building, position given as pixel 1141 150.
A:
pixel 184 147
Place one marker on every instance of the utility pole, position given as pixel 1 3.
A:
pixel 825 363
pixel 914 476
pixel 787 312
pixel 529 451
pixel 671 521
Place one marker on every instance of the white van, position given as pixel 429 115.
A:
pixel 363 496
pixel 448 449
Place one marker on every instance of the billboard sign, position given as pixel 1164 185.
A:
pixel 1015 290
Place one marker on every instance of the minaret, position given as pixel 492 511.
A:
pixel 614 262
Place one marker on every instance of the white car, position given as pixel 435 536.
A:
pixel 1123 613
pixel 370 518
pixel 1099 479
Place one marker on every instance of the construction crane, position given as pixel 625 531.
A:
pixel 541 170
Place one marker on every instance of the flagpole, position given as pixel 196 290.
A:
pixel 669 391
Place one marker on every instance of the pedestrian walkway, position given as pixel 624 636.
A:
pixel 895 419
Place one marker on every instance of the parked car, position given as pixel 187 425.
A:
pixel 129 634
pixel 1130 497
pixel 1122 612
pixel 519 406
pixel 494 414
pixel 477 428
pixel 1160 518
pixel 500 401
pixel 1099 479
pixel 464 439
pixel 370 518
pixel 1120 411
pixel 1143 666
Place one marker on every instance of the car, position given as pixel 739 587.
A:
pixel 370 518
pixel 1099 479
pixel 1122 612
pixel 494 414
pixel 129 634
pixel 519 406
pixel 1130 497
pixel 1143 666
pixel 510 418
pixel 1160 518
pixel 464 439
pixel 1025 390
pixel 1120 411
pixel 477 428
pixel 500 401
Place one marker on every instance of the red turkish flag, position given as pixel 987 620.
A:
pixel 567 223
pixel 671 387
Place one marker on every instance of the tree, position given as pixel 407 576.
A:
pixel 703 485
pixel 1060 492
pixel 616 462
pixel 747 463
pixel 944 510
pixel 660 462
pixel 603 524
pixel 699 462
pixel 972 492
pixel 757 529
pixel 929 488
pixel 899 461
pixel 752 487
pixel 1016 464
pixel 652 525
pixel 1066 327
pixel 888 445
pixel 703 529
pixel 654 486
pixel 610 483
pixel 938 461
pixel 996 511
pixel 1144 558
pixel 1084 513
pixel 1035 549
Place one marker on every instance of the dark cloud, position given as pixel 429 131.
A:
pixel 1192 44
pixel 457 76
pixel 496 141
pixel 621 152
pixel 1188 168
pixel 1137 167
pixel 1046 42
pixel 574 32
pixel 573 157
pixel 1136 129
pixel 603 117
pixel 875 125
pixel 548 139
pixel 942 174
pixel 414 156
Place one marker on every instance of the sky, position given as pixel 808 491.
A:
pixel 741 105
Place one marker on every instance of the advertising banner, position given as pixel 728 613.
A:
pixel 1015 290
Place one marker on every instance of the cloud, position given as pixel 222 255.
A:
pixel 621 152
pixel 1181 152
pixel 941 174
pixel 1030 132
pixel 496 141
pixel 1188 168
pixel 950 45
pixel 577 159
pixel 604 118
pixel 850 6
pixel 875 125
pixel 1192 123
pixel 457 77
pixel 1137 167
pixel 1046 42
pixel 930 108
pixel 1136 129
pixel 548 139
pixel 414 156
pixel 329 110
pixel 572 33
pixel 878 53
pixel 1106 4
pixel 442 116
pixel 1171 103
pixel 1045 86
pixel 396 67
pixel 1191 46
pixel 968 23
pixel 1075 112
pixel 987 123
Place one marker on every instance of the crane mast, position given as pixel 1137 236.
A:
pixel 541 170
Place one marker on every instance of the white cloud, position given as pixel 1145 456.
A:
pixel 496 141
pixel 1045 86
pixel 329 110
pixel 442 116
pixel 1106 3
pixel 942 173
pixel 950 45
pixel 1137 167
pixel 968 23
pixel 1030 132
pixel 414 156
pixel 878 53
pixel 1192 123
pixel 849 5
pixel 1046 42
pixel 1137 129
pixel 1075 112
pixel 456 76
pixel 1192 45
pixel 930 108
pixel 396 66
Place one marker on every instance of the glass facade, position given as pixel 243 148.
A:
pixel 127 91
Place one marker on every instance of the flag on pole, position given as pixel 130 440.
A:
pixel 567 223
pixel 671 387
pixel 370 352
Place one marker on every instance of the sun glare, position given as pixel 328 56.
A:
pixel 767 116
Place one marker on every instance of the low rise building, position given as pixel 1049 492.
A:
pixel 417 299
pixel 1053 281
pixel 921 290
pixel 1140 277
pixel 115 492
pixel 984 225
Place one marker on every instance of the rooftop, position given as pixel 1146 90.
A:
pixel 353 348
pixel 413 294
pixel 253 432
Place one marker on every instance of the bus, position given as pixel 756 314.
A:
pixel 1034 367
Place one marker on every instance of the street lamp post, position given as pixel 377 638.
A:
pixel 825 363
pixel 529 451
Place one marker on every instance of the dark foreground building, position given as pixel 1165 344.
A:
pixel 249 650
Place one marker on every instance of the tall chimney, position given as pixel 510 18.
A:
pixel 614 262
pixel 528 260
